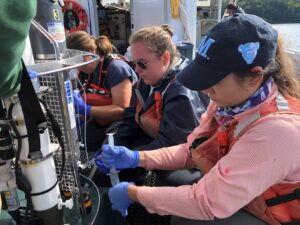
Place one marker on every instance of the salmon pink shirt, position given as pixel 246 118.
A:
pixel 267 154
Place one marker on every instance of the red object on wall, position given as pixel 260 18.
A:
pixel 75 17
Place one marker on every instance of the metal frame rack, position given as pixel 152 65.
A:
pixel 56 89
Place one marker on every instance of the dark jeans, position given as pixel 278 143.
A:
pixel 239 218
pixel 175 178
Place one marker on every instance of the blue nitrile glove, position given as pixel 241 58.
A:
pixel 99 163
pixel 118 196
pixel 32 74
pixel 80 106
pixel 119 157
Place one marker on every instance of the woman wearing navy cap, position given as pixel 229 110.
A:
pixel 248 141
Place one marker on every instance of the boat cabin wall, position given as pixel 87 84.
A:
pixel 124 18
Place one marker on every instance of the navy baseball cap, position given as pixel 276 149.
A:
pixel 235 44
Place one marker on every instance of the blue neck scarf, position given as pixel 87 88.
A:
pixel 227 113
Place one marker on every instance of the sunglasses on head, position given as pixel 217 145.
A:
pixel 141 64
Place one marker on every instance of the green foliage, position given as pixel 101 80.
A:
pixel 273 11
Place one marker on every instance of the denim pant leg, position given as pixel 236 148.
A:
pixel 106 215
pixel 240 218
pixel 177 178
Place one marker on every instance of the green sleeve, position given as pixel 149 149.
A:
pixel 15 18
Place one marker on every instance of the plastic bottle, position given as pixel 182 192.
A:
pixel 113 173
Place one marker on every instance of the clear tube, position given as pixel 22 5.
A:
pixel 113 173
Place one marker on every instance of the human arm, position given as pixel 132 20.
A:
pixel 173 157
pixel 121 95
pixel 120 78
pixel 182 109
pixel 118 81
pixel 257 161
pixel 15 18
pixel 114 111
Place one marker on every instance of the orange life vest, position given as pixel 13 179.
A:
pixel 281 202
pixel 149 120
pixel 96 94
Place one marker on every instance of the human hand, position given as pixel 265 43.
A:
pixel 119 157
pixel 118 196
pixel 99 163
pixel 80 106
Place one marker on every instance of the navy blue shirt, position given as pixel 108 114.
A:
pixel 118 71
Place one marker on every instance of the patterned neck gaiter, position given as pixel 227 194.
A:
pixel 225 114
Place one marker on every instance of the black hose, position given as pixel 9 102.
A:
pixel 58 134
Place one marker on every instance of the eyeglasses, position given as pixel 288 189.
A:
pixel 141 64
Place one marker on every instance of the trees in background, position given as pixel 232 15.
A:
pixel 274 11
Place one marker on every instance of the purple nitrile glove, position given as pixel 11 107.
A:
pixel 80 106
pixel 119 157
pixel 118 196
pixel 99 163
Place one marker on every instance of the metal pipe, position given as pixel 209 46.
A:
pixel 220 2
pixel 47 35
pixel 55 66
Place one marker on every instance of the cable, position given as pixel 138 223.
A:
pixel 22 182
pixel 76 87
pixel 58 134
pixel 85 119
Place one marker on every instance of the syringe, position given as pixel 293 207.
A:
pixel 113 173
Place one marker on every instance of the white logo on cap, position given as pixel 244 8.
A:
pixel 249 51
pixel 204 46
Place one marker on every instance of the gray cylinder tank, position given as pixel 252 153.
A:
pixel 50 16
